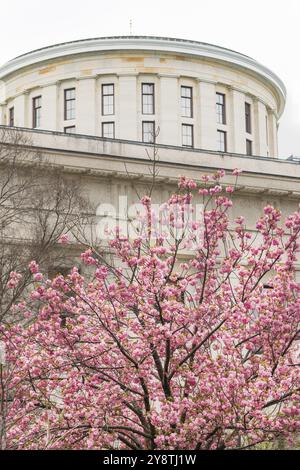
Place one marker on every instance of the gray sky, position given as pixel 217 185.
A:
pixel 267 30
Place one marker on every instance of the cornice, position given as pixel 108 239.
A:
pixel 144 43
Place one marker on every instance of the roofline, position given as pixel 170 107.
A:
pixel 189 41
pixel 148 43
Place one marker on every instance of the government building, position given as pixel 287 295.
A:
pixel 95 106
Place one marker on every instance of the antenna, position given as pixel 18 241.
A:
pixel 130 26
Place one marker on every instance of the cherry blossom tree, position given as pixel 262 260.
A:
pixel 189 341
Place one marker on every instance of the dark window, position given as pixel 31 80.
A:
pixel 248 117
pixel 70 104
pixel 222 141
pixel 186 101
pixel 221 108
pixel 36 111
pixel 108 99
pixel 187 135
pixel 55 271
pixel 11 117
pixel 108 130
pixel 70 130
pixel 149 132
pixel 147 98
pixel 248 147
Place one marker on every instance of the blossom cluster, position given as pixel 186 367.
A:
pixel 163 352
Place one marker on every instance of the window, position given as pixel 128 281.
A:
pixel 11 117
pixel 248 117
pixel 54 271
pixel 222 141
pixel 70 100
pixel 148 98
pixel 108 100
pixel 186 101
pixel 149 132
pixel 70 130
pixel 248 147
pixel 187 135
pixel 108 130
pixel 221 108
pixel 36 111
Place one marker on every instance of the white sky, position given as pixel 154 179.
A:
pixel 267 30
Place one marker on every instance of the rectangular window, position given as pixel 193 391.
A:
pixel 108 130
pixel 36 111
pixel 248 147
pixel 186 101
pixel 149 132
pixel 148 98
pixel 70 130
pixel 70 104
pixel 248 117
pixel 222 141
pixel 108 99
pixel 221 108
pixel 11 117
pixel 187 135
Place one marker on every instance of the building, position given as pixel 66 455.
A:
pixel 93 106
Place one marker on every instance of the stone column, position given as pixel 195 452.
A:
pixel 128 93
pixel 3 117
pixel 273 144
pixel 170 132
pixel 49 107
pixel 238 122
pixel 23 112
pixel 208 115
pixel 2 104
pixel 259 127
pixel 86 113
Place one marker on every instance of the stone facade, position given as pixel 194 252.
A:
pixel 129 62
pixel 110 167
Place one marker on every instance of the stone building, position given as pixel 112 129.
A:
pixel 93 106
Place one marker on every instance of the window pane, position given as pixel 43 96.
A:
pixel 108 89
pixel 108 130
pixel 221 141
pixel 186 91
pixel 186 101
pixel 108 100
pixel 70 130
pixel 148 88
pixel 70 94
pixel 12 116
pixel 36 111
pixel 148 98
pixel 187 135
pixel 149 132
pixel 70 104
pixel 248 147
pixel 248 117
pixel 221 108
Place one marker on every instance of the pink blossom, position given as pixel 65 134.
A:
pixel 33 267
pixel 229 189
pixel 14 279
pixel 177 342
pixel 64 239
pixel 237 172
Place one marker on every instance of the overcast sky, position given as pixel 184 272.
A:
pixel 267 30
